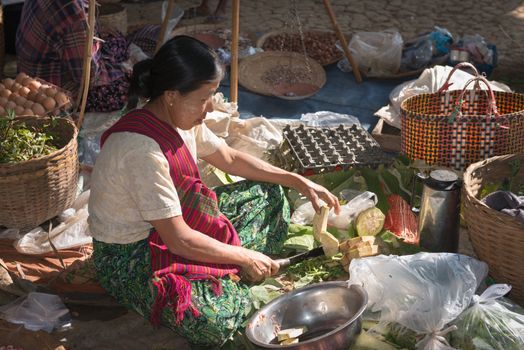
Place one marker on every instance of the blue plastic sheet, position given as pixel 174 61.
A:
pixel 341 94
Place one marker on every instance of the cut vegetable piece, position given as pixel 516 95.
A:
pixel 290 333
pixel 329 243
pixel 370 222
pixel 320 222
pixel 289 341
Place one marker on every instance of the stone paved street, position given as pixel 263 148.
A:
pixel 500 22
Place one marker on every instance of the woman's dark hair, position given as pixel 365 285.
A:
pixel 182 64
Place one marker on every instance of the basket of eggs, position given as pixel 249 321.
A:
pixel 38 152
pixel 32 96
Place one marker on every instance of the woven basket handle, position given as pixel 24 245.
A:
pixel 492 106
pixel 447 84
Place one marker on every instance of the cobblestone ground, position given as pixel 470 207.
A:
pixel 500 22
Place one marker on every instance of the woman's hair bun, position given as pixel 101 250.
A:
pixel 142 74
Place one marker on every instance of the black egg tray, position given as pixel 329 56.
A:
pixel 311 150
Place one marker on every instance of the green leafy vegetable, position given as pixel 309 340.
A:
pixel 20 143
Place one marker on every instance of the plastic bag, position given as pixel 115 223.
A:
pixel 489 324
pixel 377 53
pixel 37 311
pixel 304 214
pixel 174 18
pixel 73 231
pixel 328 119
pixel 422 292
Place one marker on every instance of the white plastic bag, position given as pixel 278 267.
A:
pixel 377 53
pixel 489 324
pixel 422 292
pixel 37 311
pixel 304 214
pixel 73 231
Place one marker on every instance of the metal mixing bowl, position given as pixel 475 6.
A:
pixel 331 311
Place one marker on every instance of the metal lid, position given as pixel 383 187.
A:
pixel 443 179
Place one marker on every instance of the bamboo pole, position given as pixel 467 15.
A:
pixel 88 55
pixel 165 21
pixel 234 51
pixel 342 40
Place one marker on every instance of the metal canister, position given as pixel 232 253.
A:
pixel 439 216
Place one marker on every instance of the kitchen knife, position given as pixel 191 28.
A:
pixel 285 262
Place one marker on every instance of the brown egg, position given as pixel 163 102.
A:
pixel 20 101
pixel 61 98
pixel 10 105
pixel 16 87
pixel 8 82
pixel 3 101
pixel 5 93
pixel 40 97
pixel 2 112
pixel 24 90
pixel 38 109
pixel 28 111
pixel 34 85
pixel 26 81
pixel 49 103
pixel 19 110
pixel 13 96
pixel 51 92
pixel 32 95
pixel 20 77
pixel 28 104
pixel 2 86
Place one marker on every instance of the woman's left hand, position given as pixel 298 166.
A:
pixel 314 192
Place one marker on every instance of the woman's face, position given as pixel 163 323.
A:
pixel 190 110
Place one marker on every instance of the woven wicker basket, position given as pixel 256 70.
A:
pixel 113 16
pixel 36 190
pixel 497 238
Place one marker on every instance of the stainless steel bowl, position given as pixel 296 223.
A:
pixel 331 311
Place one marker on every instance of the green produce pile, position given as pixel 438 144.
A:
pixel 19 142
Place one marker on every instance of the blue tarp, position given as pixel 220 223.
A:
pixel 340 94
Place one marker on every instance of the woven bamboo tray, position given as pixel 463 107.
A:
pixel 36 190
pixel 252 71
pixel 113 15
pixel 497 238
pixel 338 55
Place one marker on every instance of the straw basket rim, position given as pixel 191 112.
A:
pixel 45 158
pixel 252 68
pixel 411 112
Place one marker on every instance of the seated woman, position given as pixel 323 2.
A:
pixel 163 243
pixel 50 43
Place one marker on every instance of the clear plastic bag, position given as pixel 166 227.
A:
pixel 422 292
pixel 37 311
pixel 377 53
pixel 304 214
pixel 489 324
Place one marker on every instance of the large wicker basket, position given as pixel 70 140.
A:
pixel 36 190
pixel 497 238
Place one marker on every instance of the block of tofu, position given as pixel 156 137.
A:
pixel 290 333
pixel 320 222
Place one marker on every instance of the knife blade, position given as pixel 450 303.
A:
pixel 285 262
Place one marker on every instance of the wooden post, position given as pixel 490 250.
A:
pixel 165 21
pixel 234 51
pixel 88 55
pixel 343 41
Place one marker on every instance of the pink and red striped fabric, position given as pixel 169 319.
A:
pixel 171 273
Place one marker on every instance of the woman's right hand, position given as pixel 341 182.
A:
pixel 258 266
